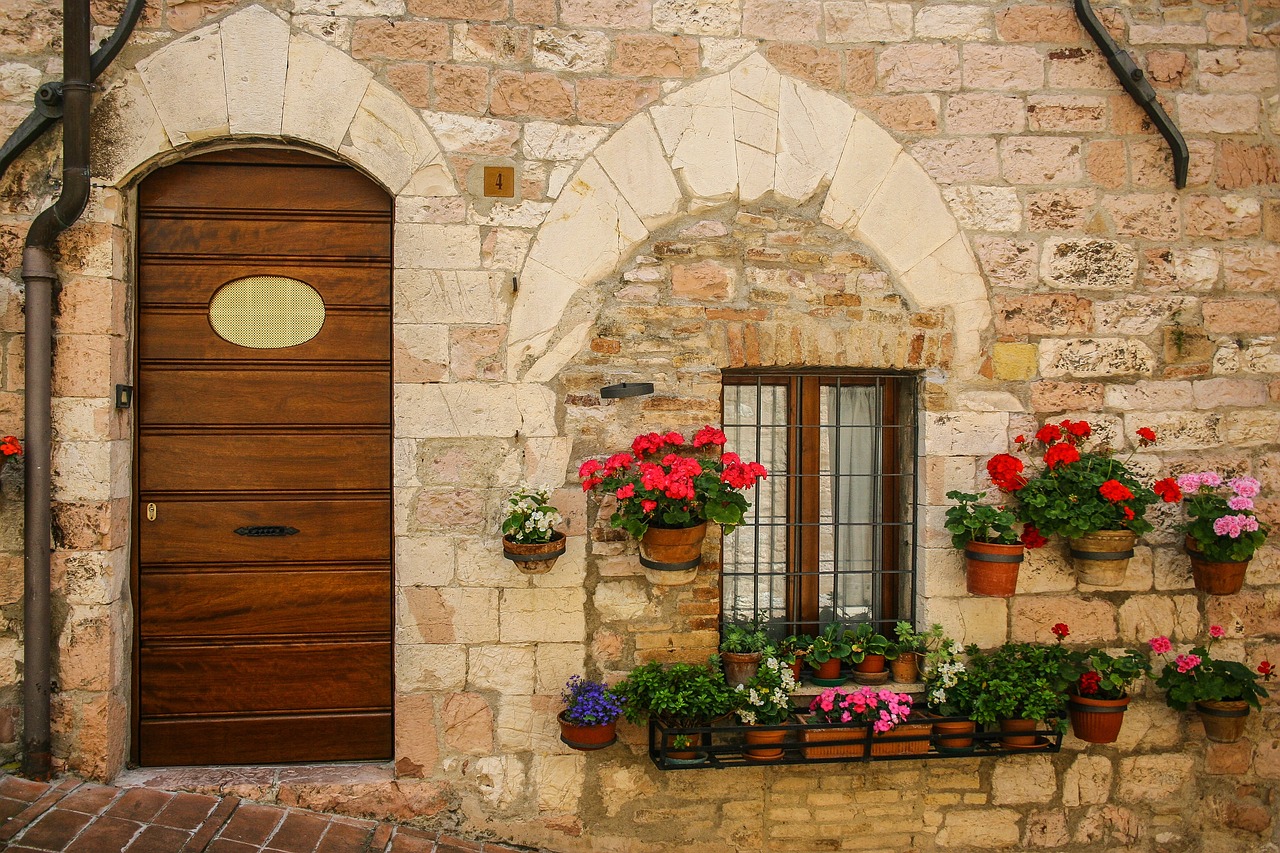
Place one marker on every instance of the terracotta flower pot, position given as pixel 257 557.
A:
pixel 1223 721
pixel 1096 720
pixel 534 559
pixel 587 738
pixel 870 663
pixel 905 667
pixel 764 744
pixel 992 570
pixel 1212 577
pixel 954 737
pixel 1101 558
pixel 827 672
pixel 1013 734
pixel 739 668
pixel 797 666
pixel 671 556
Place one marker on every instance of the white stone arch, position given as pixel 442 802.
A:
pixel 742 134
pixel 249 77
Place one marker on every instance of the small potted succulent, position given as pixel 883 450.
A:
pixel 741 649
pixel 764 704
pixel 1097 699
pixel 679 696
pixel 530 539
pixel 1022 686
pixel 1222 531
pixel 589 720
pixel 1222 691
pixel 828 651
pixel 867 648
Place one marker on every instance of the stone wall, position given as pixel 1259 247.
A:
pixel 957 189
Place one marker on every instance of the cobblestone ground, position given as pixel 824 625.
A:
pixel 81 817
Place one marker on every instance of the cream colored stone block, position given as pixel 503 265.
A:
pixel 433 179
pixel 544 293
pixel 509 670
pixel 622 600
pixel 947 275
pixel 389 141
pixel 812 129
pixel 970 620
pixel 1151 725
pixel 186 82
pixel 255 54
pixel 537 407
pixel 755 92
pixel 1155 777
pixel 1091 620
pixel 136 132
pixel 546 461
pixel 633 159
pixel 696 128
pixel 570 570
pixel 862 22
pixel 424 560
pixel 352 8
pixel 542 616
pixel 480 563
pixel 966 433
pixel 556 663
pixel 985 208
pixel 446 614
pixel 526 214
pixel 564 350
pixel 404 455
pixel 906 218
pixel 500 779
pixel 559 780
pixel 1138 577
pixel 545 140
pixel 422 245
pixel 1046 570
pixel 994 828
pixel 1145 616
pixel 942 573
pixel 869 154
pixel 1087 781
pixel 427 668
pixel 322 91
pixel 82 471
pixel 1023 779
pixel 451 296
pixel 529 723
pixel 1093 357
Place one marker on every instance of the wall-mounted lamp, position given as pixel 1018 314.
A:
pixel 626 389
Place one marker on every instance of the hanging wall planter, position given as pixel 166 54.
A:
pixel 1096 720
pixel 671 556
pixel 1223 721
pixel 534 559
pixel 1213 577
pixel 1101 558
pixel 991 569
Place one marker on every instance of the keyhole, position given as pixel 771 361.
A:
pixel 151 512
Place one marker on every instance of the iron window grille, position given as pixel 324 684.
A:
pixel 831 533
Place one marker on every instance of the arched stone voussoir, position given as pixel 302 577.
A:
pixel 747 133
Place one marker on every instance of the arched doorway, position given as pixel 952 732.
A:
pixel 262 563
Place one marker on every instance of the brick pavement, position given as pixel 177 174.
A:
pixel 70 816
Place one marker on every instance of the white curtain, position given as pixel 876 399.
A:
pixel 851 500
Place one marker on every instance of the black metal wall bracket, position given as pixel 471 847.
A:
pixel 1135 83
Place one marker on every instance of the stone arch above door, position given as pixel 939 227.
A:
pixel 249 77
pixel 743 134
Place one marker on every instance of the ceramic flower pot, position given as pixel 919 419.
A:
pixel 954 737
pixel 587 738
pixel 1096 720
pixel 1213 577
pixel 827 674
pixel 763 744
pixel 739 668
pixel 534 559
pixel 671 556
pixel 1101 558
pixel 992 570
pixel 905 667
pixel 1019 734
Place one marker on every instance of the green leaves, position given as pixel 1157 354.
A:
pixel 971 521
pixel 679 695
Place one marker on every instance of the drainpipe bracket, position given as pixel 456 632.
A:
pixel 37 262
pixel 49 100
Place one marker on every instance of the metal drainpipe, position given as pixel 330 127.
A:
pixel 40 279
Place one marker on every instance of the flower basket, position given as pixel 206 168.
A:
pixel 671 556
pixel 1215 578
pixel 1101 558
pixel 852 741
pixel 1096 720
pixel 992 569
pixel 537 558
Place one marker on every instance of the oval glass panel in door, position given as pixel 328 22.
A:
pixel 266 312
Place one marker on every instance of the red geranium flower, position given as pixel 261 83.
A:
pixel 1168 490
pixel 1265 669
pixel 1006 472
pixel 1061 454
pixel 1049 433
pixel 1060 630
pixel 1031 538
pixel 1146 434
pixel 709 435
pixel 1080 429
pixel 1088 684
pixel 1115 491
pixel 1128 513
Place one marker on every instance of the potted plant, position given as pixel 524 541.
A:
pixel 992 547
pixel 867 649
pixel 1021 687
pixel 680 696
pixel 530 539
pixel 908 649
pixel 792 651
pixel 1089 497
pixel 667 490
pixel 1097 699
pixel 741 648
pixel 590 717
pixel 1222 691
pixel 764 702
pixel 871 712
pixel 949 692
pixel 1222 531
pixel 829 649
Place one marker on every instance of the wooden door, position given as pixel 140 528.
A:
pixel 263 550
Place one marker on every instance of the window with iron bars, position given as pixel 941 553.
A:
pixel 831 533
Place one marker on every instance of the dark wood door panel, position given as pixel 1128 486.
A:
pixel 267 739
pixel 286 235
pixel 186 532
pixel 352 395
pixel 354 336
pixel 213 603
pixel 245 461
pixel 360 283
pixel 227 678
pixel 301 188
